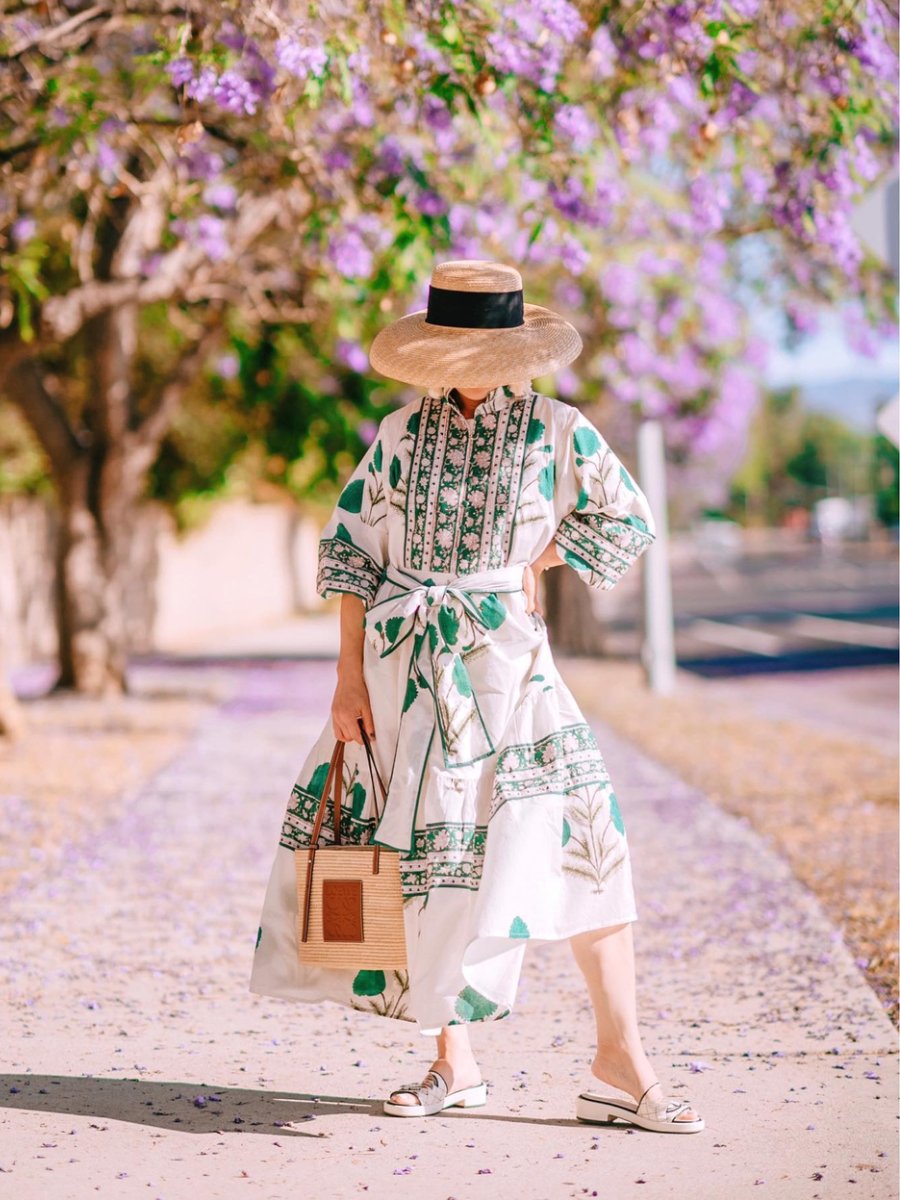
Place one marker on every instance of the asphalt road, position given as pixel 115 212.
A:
pixel 803 610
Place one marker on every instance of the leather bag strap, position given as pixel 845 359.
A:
pixel 334 777
pixel 374 774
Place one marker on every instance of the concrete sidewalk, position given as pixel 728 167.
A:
pixel 134 1053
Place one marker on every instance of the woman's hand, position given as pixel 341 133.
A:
pixel 351 701
pixel 530 577
pixel 532 573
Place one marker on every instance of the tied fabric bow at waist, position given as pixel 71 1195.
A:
pixel 455 637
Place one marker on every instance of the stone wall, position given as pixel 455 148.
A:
pixel 247 565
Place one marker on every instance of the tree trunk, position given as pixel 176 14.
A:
pixel 12 720
pixel 90 620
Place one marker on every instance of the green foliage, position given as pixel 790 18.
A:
pixel 886 481
pixel 795 458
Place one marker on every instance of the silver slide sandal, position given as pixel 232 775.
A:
pixel 433 1095
pixel 659 1116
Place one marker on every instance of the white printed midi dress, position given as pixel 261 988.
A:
pixel 499 801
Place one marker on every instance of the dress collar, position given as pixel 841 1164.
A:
pixel 497 398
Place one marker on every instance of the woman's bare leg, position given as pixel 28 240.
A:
pixel 606 959
pixel 455 1062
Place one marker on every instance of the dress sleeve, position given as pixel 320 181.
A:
pixel 605 521
pixel 353 545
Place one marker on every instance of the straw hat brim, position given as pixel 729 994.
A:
pixel 412 351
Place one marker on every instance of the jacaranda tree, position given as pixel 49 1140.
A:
pixel 173 174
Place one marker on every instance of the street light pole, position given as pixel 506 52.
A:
pixel 658 650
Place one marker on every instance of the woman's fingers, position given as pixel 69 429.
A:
pixel 367 718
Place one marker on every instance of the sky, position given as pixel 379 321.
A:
pixel 825 356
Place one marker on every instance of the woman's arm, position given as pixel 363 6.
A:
pixel 351 697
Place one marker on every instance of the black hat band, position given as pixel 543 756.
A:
pixel 475 310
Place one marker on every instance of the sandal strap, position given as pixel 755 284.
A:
pixel 662 1110
pixel 432 1087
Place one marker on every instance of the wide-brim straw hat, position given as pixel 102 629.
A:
pixel 477 331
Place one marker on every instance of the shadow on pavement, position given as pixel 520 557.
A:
pixel 185 1107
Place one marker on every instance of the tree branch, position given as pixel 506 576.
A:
pixel 143 442
pixel 63 316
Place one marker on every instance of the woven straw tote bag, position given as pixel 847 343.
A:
pixel 349 901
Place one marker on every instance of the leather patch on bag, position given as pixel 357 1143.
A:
pixel 342 910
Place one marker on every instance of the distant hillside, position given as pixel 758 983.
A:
pixel 854 401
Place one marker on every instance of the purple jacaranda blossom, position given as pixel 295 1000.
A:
pixel 206 232
pixel 803 317
pixel 833 229
pixel 23 230
pixel 573 255
pixel 352 355
pixel 337 158
pixel 658 124
pixel 459 217
pixel 467 247
pixel 636 354
pixel 670 316
pixel 682 372
pixel 426 53
pixel 756 185
pixel 874 51
pixel 59 117
pixel 232 37
pixel 236 94
pixel 201 87
pixel 390 157
pixel 707 202
pixel 430 204
pixel 150 264
pixel 200 163
pixel 573 122
pixel 602 54
pixel 532 39
pixel 299 57
pixel 368 431
pixel 210 234
pixel 350 249
pixel 350 254
pixel 436 112
pixel 681 91
pixel 720 317
pixel 227 365
pixel 865 164
pixel 220 195
pixel 649 262
pixel 567 383
pixel 362 111
pixel 621 284
pixel 859 332
pixel 756 352
pixel 572 201
pixel 360 61
pixel 108 159
pixel 180 71
pixel 568 294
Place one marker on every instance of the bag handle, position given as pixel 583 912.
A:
pixel 373 769
pixel 335 775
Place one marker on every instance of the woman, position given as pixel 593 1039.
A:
pixel 498 799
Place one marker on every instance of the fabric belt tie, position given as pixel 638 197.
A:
pixel 453 628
